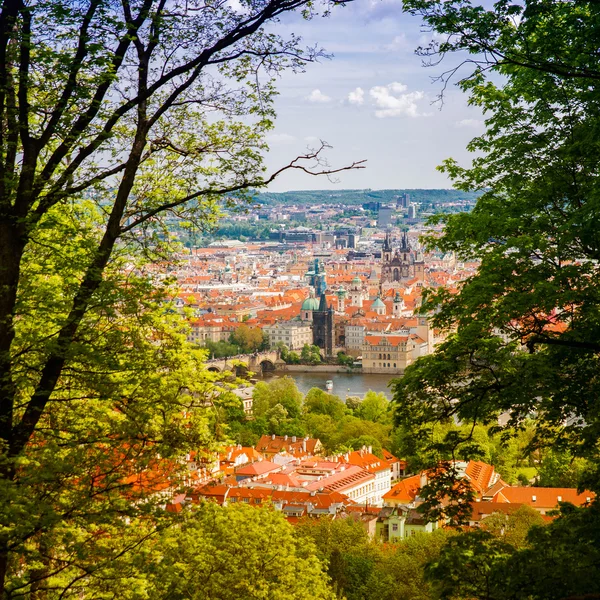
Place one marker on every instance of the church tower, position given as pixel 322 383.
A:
pixel 386 251
pixel 323 331
pixel 398 305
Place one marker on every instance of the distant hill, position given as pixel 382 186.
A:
pixel 357 197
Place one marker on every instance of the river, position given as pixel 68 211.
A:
pixel 344 384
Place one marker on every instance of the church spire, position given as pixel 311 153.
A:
pixel 405 243
pixel 387 243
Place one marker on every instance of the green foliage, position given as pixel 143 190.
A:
pixel 374 407
pixel 429 198
pixel 467 566
pixel 351 428
pixel 222 349
pixel 280 390
pixel 367 441
pixel 523 331
pixel 560 469
pixel 156 111
pixel 513 528
pixel 363 569
pixel 345 360
pixel 319 402
pixel 518 557
pixel 229 553
pixel 311 355
pixel 249 339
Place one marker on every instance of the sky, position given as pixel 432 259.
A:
pixel 372 100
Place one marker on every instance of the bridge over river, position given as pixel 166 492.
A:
pixel 259 363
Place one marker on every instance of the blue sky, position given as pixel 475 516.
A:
pixel 372 100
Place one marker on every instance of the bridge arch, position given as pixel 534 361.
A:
pixel 214 369
pixel 267 365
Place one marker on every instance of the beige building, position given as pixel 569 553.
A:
pixel 213 330
pixel 391 353
pixel 294 334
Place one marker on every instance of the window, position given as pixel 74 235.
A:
pixel 395 527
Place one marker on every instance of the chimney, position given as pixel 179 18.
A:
pixel 285 438
pixel 533 498
pixel 423 479
pixel 293 439
pixel 273 436
pixel 370 449
pixel 559 499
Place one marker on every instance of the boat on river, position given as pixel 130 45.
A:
pixel 329 385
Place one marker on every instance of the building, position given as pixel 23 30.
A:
pixel 210 329
pixel 245 395
pixel 391 353
pixel 384 216
pixel 355 337
pixel 269 445
pixel 316 277
pixel 401 265
pixel 395 523
pixel 323 327
pixel 294 334
pixel 542 499
pixel 405 492
pixel 379 467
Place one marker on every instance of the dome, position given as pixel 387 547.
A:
pixel 378 303
pixel 310 304
pixel 356 279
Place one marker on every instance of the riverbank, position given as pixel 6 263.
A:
pixel 283 369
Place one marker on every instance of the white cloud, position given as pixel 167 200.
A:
pixel 400 42
pixel 357 96
pixel 280 139
pixel 469 123
pixel 318 97
pixel 391 101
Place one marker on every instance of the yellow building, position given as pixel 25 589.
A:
pixel 391 353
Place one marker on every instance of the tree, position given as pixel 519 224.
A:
pixel 467 567
pixel 560 469
pixel 556 38
pixel 229 553
pixel 400 571
pixel 555 561
pixel 311 354
pixel 351 428
pixel 281 390
pixel 522 332
pixel 319 402
pixel 249 339
pixel 156 110
pixel 513 528
pixel 374 407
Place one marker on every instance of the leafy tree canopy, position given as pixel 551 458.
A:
pixel 115 119
pixel 522 333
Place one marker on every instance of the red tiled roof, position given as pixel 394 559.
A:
pixel 538 497
pixel 405 491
